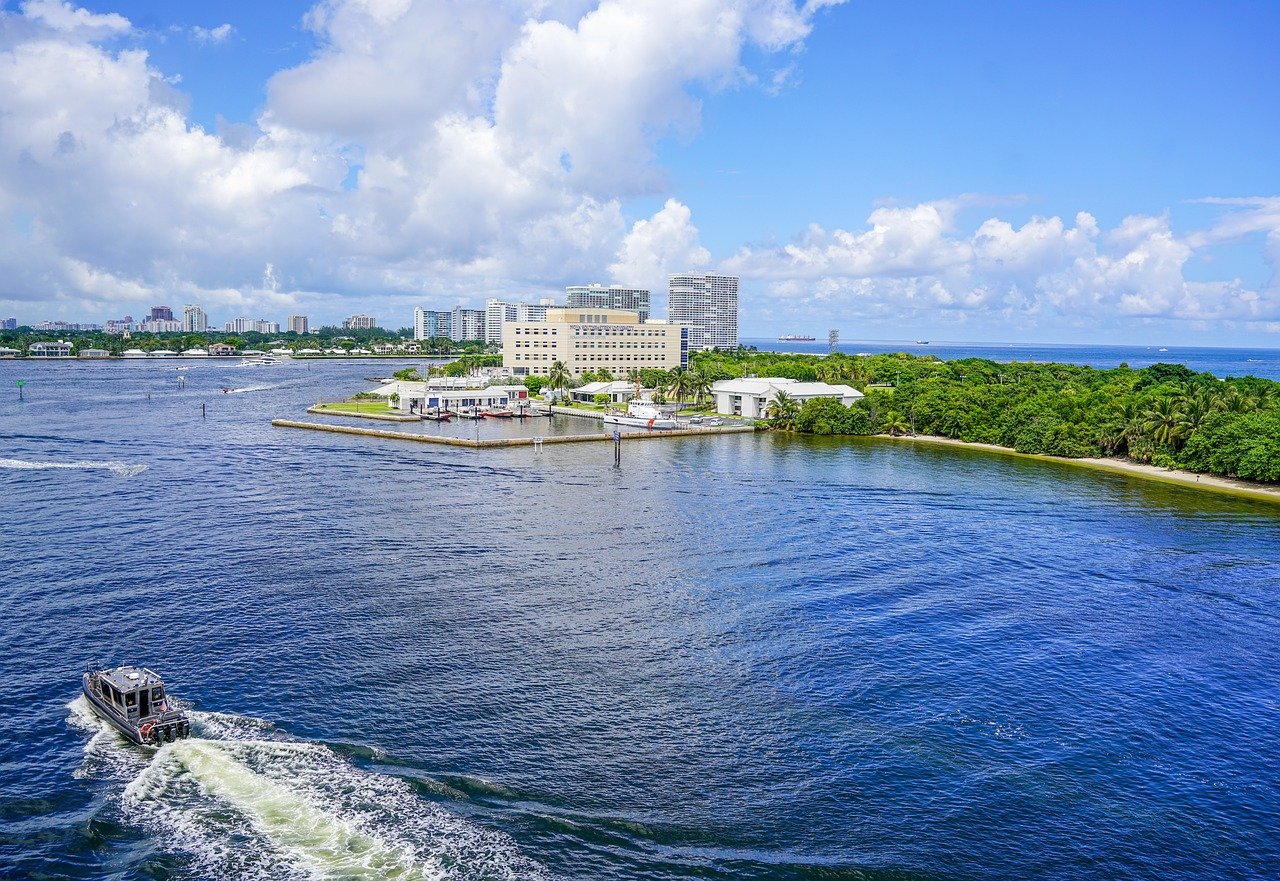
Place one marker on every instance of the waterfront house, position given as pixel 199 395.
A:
pixel 619 391
pixel 93 353
pixel 221 350
pixel 414 396
pixel 133 353
pixel 9 353
pixel 164 353
pixel 49 350
pixel 750 398
pixel 194 353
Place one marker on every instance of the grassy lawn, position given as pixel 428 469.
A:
pixel 359 407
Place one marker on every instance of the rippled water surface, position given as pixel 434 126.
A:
pixel 735 657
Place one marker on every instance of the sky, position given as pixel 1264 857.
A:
pixel 998 171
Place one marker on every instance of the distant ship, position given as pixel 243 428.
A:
pixel 795 338
pixel 922 342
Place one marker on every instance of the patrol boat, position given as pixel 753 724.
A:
pixel 133 700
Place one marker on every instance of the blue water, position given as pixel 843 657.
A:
pixel 749 656
pixel 1221 362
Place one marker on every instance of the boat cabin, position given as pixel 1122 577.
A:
pixel 136 693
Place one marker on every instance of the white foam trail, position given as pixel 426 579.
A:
pixel 247 802
pixel 120 469
pixel 322 843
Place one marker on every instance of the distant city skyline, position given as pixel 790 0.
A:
pixel 1096 173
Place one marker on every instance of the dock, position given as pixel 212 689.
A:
pixel 491 443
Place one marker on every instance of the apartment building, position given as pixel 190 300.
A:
pixel 708 304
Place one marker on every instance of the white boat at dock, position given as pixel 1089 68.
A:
pixel 640 414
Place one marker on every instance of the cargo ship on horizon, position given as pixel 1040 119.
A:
pixel 794 338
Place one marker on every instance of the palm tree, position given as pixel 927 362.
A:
pixel 829 370
pixel 1233 401
pixel 1196 407
pixel 699 384
pixel 558 376
pixel 1127 428
pixel 783 411
pixel 1163 420
pixel 680 384
pixel 896 424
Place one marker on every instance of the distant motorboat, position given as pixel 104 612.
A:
pixel 1163 350
pixel 261 361
pixel 922 342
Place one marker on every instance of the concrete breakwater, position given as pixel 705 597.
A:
pixel 510 441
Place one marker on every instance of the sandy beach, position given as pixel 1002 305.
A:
pixel 1225 485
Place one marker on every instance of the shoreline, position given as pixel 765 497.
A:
pixel 1209 482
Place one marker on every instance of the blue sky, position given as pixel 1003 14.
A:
pixel 997 171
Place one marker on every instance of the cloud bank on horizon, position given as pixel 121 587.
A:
pixel 441 151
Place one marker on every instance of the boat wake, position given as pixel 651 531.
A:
pixel 120 469
pixel 245 801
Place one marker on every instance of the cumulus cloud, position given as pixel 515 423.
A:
pixel 61 16
pixel 452 149
pixel 658 246
pixel 915 261
pixel 212 35
pixel 440 146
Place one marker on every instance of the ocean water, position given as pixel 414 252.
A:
pixel 1221 362
pixel 749 656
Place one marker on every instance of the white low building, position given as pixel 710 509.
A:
pixel 49 350
pixel 750 398
pixel 416 396
pixel 619 391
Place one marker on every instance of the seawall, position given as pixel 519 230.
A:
pixel 489 443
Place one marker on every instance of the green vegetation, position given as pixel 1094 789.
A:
pixel 361 406
pixel 1165 414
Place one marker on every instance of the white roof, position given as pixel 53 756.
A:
pixel 752 386
pixel 197 352
pixel 820 389
pixel 606 387
pixel 768 385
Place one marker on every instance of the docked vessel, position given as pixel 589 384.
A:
pixel 497 413
pixel 261 361
pixel 640 414
pixel 133 701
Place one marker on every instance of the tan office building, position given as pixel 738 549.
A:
pixel 592 340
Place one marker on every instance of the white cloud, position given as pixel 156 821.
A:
pixel 61 16
pixel 452 149
pixel 220 34
pixel 665 243
pixel 915 261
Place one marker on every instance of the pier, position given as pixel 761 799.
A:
pixel 513 441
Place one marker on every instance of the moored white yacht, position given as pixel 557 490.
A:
pixel 640 414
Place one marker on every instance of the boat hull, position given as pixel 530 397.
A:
pixel 177 724
pixel 657 423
